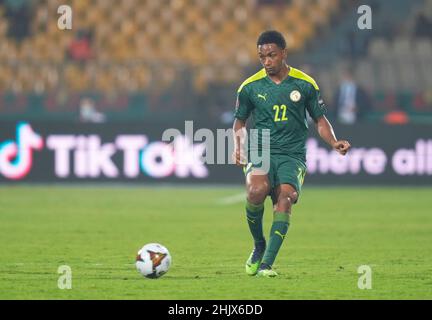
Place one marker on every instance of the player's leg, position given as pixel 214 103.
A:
pixel 290 174
pixel 285 196
pixel 257 188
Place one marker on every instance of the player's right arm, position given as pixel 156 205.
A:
pixel 242 112
pixel 239 128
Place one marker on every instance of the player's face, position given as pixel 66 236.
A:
pixel 272 58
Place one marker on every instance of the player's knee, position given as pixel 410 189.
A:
pixel 284 204
pixel 294 197
pixel 257 194
pixel 286 200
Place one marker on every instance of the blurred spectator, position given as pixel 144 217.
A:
pixel 423 27
pixel 88 112
pixel 19 14
pixel 351 101
pixel 80 47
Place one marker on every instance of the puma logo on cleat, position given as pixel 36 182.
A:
pixel 262 96
pixel 280 234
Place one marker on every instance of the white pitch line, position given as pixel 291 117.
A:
pixel 237 198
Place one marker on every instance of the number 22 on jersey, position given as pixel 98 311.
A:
pixel 280 113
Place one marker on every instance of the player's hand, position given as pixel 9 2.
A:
pixel 238 157
pixel 342 146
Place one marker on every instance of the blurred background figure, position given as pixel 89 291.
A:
pixel 19 15
pixel 350 100
pixel 80 47
pixel 88 112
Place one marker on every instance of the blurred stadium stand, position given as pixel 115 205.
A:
pixel 159 60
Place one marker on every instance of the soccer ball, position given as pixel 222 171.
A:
pixel 153 260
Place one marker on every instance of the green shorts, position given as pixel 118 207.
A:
pixel 283 170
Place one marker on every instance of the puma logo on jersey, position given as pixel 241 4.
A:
pixel 262 96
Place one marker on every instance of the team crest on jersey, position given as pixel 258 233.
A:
pixel 295 96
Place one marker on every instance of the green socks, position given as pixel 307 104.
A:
pixel 277 234
pixel 279 229
pixel 254 215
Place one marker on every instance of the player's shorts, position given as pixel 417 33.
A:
pixel 283 170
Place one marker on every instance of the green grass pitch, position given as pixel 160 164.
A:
pixel 97 232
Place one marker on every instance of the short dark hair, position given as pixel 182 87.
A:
pixel 272 36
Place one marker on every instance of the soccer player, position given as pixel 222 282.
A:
pixel 277 97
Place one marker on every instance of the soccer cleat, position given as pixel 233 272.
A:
pixel 254 261
pixel 267 273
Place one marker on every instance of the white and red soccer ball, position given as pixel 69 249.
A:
pixel 153 260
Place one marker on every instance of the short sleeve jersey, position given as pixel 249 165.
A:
pixel 280 108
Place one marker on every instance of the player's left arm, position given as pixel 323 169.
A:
pixel 326 132
pixel 317 110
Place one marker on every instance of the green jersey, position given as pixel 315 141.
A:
pixel 281 108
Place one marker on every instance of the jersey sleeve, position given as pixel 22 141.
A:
pixel 315 104
pixel 244 106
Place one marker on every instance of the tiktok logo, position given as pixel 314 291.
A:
pixel 16 158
